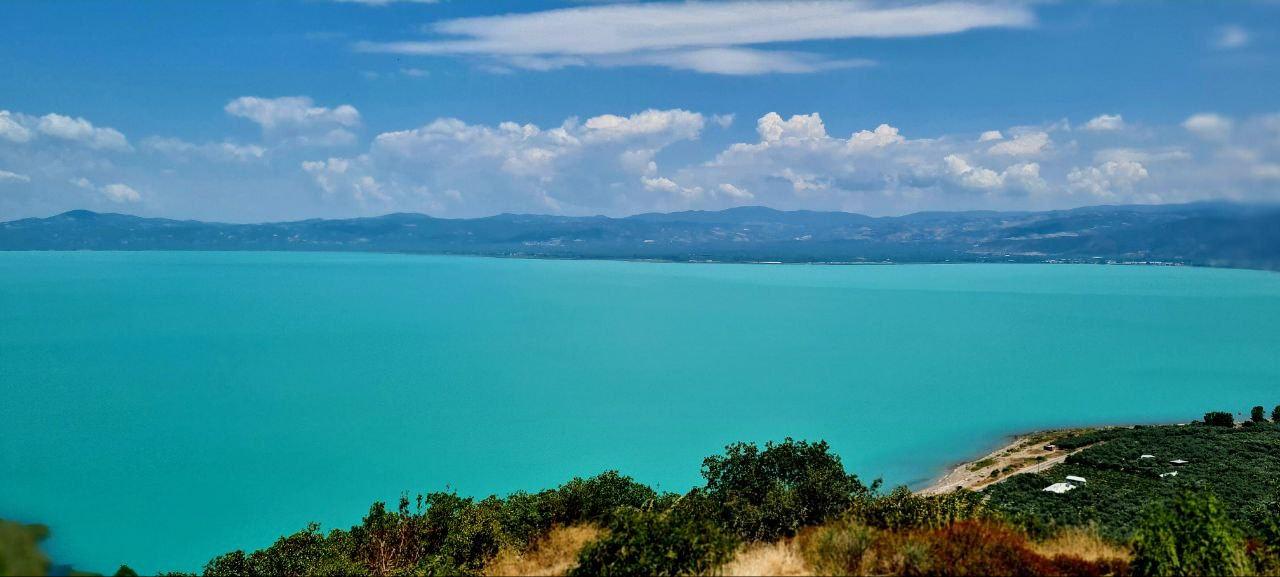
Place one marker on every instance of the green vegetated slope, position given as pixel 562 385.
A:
pixel 1220 515
pixel 1238 465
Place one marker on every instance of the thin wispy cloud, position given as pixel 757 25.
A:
pixel 1231 37
pixel 712 37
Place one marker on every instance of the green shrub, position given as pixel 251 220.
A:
pixel 1275 414
pixel 1192 535
pixel 1219 419
pixel 656 543
pixel 903 509
pixel 1258 414
pixel 764 495
pixel 840 548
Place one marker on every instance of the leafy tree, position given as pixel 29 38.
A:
pixel 1258 415
pixel 656 543
pixel 1192 535
pixel 125 571
pixel 1275 414
pixel 764 495
pixel 1219 419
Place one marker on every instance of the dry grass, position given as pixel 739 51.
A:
pixel 782 558
pixel 1082 542
pixel 554 555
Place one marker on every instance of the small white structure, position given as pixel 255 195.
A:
pixel 1147 457
pixel 1169 474
pixel 1075 479
pixel 1179 462
pixel 1059 488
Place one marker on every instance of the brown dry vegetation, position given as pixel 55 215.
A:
pixel 782 558
pixel 555 554
pixel 558 552
pixel 1083 542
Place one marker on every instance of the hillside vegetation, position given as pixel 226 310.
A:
pixel 790 508
pixel 1213 234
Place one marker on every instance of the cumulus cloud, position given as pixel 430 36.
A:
pixel 712 37
pixel 1104 123
pixel 513 166
pixel 1025 144
pixel 82 131
pixel 121 193
pixel 11 129
pixel 990 135
pixel 1209 126
pixel 115 192
pixel 298 119
pixel 1021 176
pixel 1109 179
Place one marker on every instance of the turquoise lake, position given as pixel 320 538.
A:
pixel 162 408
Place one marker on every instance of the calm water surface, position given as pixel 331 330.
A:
pixel 160 408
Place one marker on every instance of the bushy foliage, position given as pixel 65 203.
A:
pixel 1275 414
pixel 656 543
pixel 973 547
pixel 1219 419
pixel 903 509
pixel 840 548
pixel 445 534
pixel 1192 535
pixel 1241 466
pixel 764 495
pixel 1258 414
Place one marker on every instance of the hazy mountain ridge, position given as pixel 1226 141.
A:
pixel 1213 234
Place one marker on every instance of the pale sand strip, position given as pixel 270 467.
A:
pixel 1024 454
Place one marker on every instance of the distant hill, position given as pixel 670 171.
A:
pixel 1209 234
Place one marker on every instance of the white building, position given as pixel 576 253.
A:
pixel 1059 488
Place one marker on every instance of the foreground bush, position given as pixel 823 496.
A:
pixel 765 495
pixel 1193 535
pixel 656 543
pixel 972 547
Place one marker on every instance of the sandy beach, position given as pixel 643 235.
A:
pixel 1025 453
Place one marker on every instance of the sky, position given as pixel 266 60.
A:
pixel 293 109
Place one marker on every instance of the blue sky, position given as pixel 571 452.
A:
pixel 316 108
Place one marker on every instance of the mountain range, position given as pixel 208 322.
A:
pixel 1207 234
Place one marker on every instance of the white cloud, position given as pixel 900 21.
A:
pixel 6 176
pixel 677 124
pixel 1209 126
pixel 973 176
pixel 1025 144
pixel 772 128
pixel 714 37
pixel 1109 179
pixel 515 166
pixel 11 129
pixel 734 192
pixel 82 131
pixel 298 119
pixel 120 193
pixel 1022 176
pixel 732 61
pixel 1105 122
pixel 1230 37
pixel 222 151
pixel 990 135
